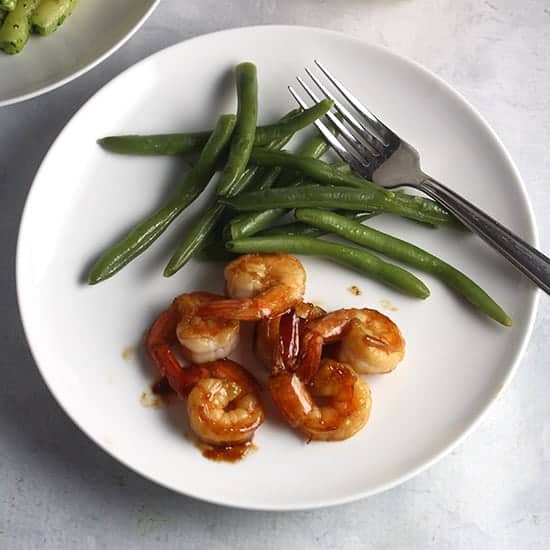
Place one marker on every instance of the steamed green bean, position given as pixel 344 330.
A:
pixel 317 196
pixel 407 253
pixel 356 258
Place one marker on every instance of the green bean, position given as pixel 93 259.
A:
pixel 356 258
pixel 324 173
pixel 194 239
pixel 15 30
pixel 315 169
pixel 315 147
pixel 50 14
pixel 3 15
pixel 174 144
pixel 312 168
pixel 160 144
pixel 8 5
pixel 246 225
pixel 245 129
pixel 266 178
pixel 407 253
pixel 147 231
pixel 266 134
pixel 297 229
pixel 342 167
pixel 317 196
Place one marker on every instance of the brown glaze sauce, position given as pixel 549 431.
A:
pixel 232 453
pixel 150 401
pixel 128 353
pixel 355 290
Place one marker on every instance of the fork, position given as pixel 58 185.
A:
pixel 377 153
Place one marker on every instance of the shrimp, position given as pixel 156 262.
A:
pixel 260 286
pixel 333 406
pixel 277 340
pixel 199 339
pixel 368 340
pixel 223 397
pixel 202 339
pixel 223 412
pixel 223 402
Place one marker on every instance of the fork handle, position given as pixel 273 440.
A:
pixel 526 258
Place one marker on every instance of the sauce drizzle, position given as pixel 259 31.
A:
pixel 231 453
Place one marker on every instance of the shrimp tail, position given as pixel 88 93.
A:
pixel 288 348
pixel 160 338
pixel 310 357
pixel 240 310
pixel 177 377
pixel 270 303
pixel 163 329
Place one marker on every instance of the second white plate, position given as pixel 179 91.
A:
pixel 94 31
pixel 83 198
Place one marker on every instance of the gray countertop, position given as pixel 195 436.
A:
pixel 58 490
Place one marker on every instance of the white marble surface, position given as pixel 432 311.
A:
pixel 57 490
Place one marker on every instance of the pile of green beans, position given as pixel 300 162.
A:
pixel 194 240
pixel 19 17
pixel 260 183
pixel 249 224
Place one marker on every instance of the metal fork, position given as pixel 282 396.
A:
pixel 377 153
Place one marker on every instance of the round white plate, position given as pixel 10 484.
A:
pixel 93 32
pixel 83 198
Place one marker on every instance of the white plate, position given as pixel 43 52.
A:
pixel 457 361
pixel 93 32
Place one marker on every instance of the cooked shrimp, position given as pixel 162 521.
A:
pixel 277 340
pixel 333 406
pixel 177 328
pixel 223 405
pixel 223 398
pixel 260 286
pixel 199 339
pixel 202 339
pixel 369 341
pixel 222 412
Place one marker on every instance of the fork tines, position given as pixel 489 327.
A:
pixel 362 138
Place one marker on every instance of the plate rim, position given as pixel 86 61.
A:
pixel 534 293
pixel 80 72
